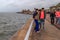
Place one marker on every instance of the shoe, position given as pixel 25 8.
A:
pixel 38 31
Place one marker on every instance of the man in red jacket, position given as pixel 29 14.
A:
pixel 57 13
pixel 42 16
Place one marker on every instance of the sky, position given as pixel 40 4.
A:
pixel 18 5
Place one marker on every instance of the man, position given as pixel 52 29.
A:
pixel 42 17
pixel 35 17
pixel 57 13
pixel 52 16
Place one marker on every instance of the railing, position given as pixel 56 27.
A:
pixel 28 32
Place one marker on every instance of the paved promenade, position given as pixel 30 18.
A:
pixel 48 19
pixel 50 33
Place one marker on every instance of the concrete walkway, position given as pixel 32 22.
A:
pixel 48 18
pixel 50 33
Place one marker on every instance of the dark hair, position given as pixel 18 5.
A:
pixel 36 9
pixel 39 10
pixel 42 8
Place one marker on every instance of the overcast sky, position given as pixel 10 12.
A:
pixel 17 5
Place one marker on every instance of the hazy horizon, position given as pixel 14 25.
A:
pixel 18 5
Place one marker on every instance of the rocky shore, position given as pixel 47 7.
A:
pixel 25 12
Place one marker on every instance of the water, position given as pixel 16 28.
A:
pixel 10 23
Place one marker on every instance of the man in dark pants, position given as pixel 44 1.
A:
pixel 35 17
pixel 52 16
pixel 42 17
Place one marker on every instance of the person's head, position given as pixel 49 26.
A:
pixel 42 8
pixel 35 9
pixel 39 10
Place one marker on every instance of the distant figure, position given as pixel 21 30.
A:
pixel 57 13
pixel 42 17
pixel 52 16
pixel 35 16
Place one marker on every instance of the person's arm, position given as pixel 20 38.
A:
pixel 44 14
pixel 33 14
pixel 39 15
pixel 54 14
pixel 50 14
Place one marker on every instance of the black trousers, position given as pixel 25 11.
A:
pixel 57 20
pixel 52 20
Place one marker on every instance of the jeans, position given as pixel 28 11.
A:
pixel 37 25
pixel 52 20
pixel 42 21
pixel 58 21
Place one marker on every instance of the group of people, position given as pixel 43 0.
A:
pixel 39 17
pixel 55 15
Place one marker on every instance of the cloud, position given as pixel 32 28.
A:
pixel 17 5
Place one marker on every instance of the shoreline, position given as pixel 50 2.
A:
pixel 23 13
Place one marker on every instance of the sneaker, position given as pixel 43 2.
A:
pixel 38 31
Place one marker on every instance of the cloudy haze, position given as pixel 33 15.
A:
pixel 17 5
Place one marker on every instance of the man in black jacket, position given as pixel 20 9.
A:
pixel 52 16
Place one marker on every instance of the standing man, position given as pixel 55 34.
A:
pixel 42 17
pixel 57 13
pixel 52 16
